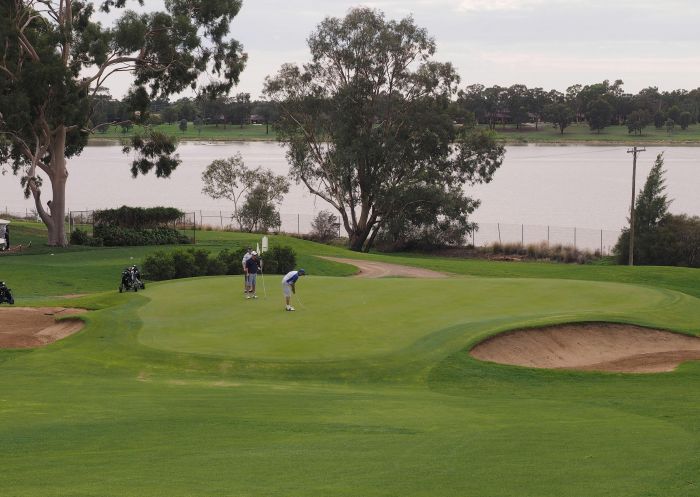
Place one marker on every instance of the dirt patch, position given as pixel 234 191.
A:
pixel 29 327
pixel 374 269
pixel 592 347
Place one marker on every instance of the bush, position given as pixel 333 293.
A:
pixel 674 242
pixel 325 227
pixel 115 236
pixel 79 237
pixel 159 266
pixel 198 262
pixel 137 217
pixel 280 260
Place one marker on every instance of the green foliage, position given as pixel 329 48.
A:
pixel 191 262
pixel 599 113
pixel 675 241
pixel 637 121
pixel 254 192
pixel 367 125
pixel 560 115
pixel 114 236
pixel 324 226
pixel 279 260
pixel 685 119
pixel 55 61
pixel 258 214
pixel 79 237
pixel 137 217
pixel 660 239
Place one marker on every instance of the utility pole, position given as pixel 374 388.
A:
pixel 634 151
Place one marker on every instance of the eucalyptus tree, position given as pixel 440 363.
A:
pixel 367 122
pixel 560 115
pixel 598 114
pixel 56 57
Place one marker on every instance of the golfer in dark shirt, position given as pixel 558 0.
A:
pixel 253 267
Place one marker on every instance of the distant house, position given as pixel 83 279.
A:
pixel 256 119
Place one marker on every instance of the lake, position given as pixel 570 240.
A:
pixel 538 189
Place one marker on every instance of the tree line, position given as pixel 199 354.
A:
pixel 599 105
pixel 237 110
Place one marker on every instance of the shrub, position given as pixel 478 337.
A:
pixel 115 236
pixel 198 262
pixel 159 266
pixel 674 242
pixel 280 260
pixel 231 261
pixel 324 227
pixel 137 217
pixel 79 237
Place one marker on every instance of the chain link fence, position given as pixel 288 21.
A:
pixel 602 240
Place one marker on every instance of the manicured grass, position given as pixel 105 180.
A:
pixel 189 389
pixel 545 133
pixel 209 132
pixel 581 134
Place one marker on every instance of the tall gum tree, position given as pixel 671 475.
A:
pixel 367 122
pixel 54 58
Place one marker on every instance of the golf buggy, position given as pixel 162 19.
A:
pixel 131 280
pixel 5 294
pixel 4 235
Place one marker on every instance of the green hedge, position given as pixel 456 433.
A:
pixel 137 217
pixel 163 265
pixel 115 236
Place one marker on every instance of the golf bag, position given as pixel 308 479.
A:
pixel 5 294
pixel 131 280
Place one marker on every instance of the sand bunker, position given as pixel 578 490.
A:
pixel 28 327
pixel 591 346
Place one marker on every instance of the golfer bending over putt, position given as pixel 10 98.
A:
pixel 288 288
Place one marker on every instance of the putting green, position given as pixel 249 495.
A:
pixel 343 319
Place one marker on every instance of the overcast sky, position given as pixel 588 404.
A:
pixel 547 43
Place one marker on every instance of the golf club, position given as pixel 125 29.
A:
pixel 299 301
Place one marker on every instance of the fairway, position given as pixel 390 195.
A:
pixel 189 389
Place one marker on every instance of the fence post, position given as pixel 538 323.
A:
pixel 298 224
pixel 574 237
pixel 221 218
pixel 547 236
pixel 522 235
pixel 201 220
pixel 499 232
pixel 601 243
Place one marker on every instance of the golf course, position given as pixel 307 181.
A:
pixel 369 389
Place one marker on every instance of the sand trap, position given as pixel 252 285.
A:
pixel 591 346
pixel 29 327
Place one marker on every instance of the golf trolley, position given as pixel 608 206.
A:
pixel 131 280
pixel 5 294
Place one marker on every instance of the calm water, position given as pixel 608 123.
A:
pixel 564 186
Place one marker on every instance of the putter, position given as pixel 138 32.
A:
pixel 299 301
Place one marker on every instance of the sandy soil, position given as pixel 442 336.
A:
pixel 28 327
pixel 373 269
pixel 591 346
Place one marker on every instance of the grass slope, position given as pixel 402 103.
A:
pixel 188 389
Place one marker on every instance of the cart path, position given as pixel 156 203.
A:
pixel 29 327
pixel 374 269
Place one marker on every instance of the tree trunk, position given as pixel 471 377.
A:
pixel 357 240
pixel 57 211
pixel 57 229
